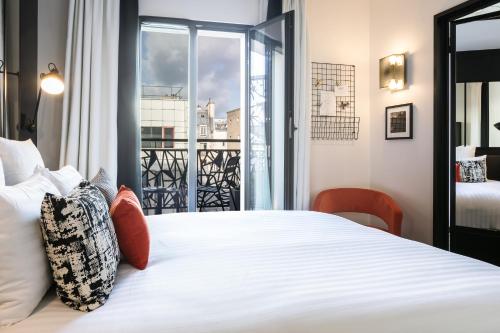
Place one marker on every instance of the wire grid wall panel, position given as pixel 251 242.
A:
pixel 343 125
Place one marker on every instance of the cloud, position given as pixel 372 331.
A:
pixel 165 63
pixel 219 72
pixel 165 60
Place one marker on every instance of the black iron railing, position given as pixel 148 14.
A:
pixel 164 175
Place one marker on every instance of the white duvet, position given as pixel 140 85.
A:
pixel 264 272
pixel 478 205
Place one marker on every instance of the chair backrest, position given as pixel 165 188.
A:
pixel 231 176
pixel 356 200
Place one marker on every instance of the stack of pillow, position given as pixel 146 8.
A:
pixel 468 167
pixel 57 227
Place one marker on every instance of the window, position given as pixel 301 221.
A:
pixel 149 134
pixel 203 131
pixel 168 137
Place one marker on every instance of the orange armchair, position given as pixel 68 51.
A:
pixel 356 200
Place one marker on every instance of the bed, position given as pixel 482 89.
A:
pixel 475 224
pixel 278 272
pixel 478 205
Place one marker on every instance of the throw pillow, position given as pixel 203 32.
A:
pixel 81 244
pixel 131 228
pixel 104 183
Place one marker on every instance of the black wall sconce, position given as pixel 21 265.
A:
pixel 2 69
pixel 52 83
pixel 393 72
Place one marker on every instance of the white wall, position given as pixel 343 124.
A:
pixel 52 28
pixel 228 11
pixel 404 168
pixel 339 33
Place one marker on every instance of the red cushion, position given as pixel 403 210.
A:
pixel 131 228
pixel 458 179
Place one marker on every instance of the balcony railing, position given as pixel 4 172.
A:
pixel 164 165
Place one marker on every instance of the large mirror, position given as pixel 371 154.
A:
pixel 475 90
pixel 3 113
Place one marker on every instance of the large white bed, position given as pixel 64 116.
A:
pixel 265 272
pixel 478 205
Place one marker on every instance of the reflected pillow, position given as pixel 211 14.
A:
pixel 473 170
pixel 465 152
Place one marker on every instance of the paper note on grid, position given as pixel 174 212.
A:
pixel 342 90
pixel 328 103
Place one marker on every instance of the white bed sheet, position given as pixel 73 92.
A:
pixel 478 205
pixel 265 272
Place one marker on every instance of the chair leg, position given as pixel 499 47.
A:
pixel 202 203
pixel 159 203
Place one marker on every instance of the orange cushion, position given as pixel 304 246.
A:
pixel 131 228
pixel 458 179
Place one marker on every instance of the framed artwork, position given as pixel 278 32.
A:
pixel 399 122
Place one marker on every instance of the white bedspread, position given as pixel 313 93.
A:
pixel 478 205
pixel 265 272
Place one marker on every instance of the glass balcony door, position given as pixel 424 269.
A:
pixel 193 84
pixel 270 120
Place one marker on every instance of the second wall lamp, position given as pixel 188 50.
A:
pixel 393 72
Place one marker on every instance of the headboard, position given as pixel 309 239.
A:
pixel 492 161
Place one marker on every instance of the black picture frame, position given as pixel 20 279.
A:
pixel 408 108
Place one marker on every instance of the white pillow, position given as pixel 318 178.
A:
pixel 2 176
pixel 20 159
pixel 465 152
pixel 65 179
pixel 24 270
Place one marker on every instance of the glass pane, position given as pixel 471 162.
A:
pixel 218 119
pixel 267 117
pixel 164 117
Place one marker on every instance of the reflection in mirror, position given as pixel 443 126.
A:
pixel 477 128
pixel 3 114
pixel 478 114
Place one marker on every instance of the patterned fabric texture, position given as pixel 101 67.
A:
pixel 104 183
pixel 473 170
pixel 81 245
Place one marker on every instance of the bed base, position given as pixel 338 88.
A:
pixel 476 243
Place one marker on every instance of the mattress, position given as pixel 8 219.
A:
pixel 265 272
pixel 478 205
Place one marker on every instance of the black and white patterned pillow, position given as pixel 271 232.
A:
pixel 473 170
pixel 81 245
pixel 104 183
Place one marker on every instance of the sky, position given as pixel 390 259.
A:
pixel 165 63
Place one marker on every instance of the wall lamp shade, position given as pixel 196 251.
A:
pixel 393 72
pixel 52 82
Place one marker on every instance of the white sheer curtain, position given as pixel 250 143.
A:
pixel 301 104
pixel 474 114
pixel 262 10
pixel 89 126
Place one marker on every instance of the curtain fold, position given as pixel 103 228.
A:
pixel 89 120
pixel 301 105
